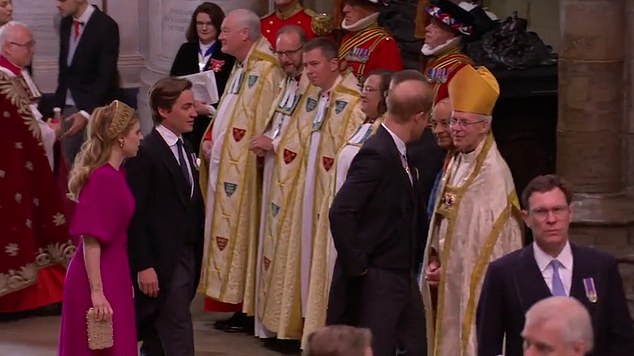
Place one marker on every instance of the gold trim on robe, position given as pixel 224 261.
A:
pixel 324 252
pixel 232 212
pixel 281 283
pixel 279 156
pixel 475 221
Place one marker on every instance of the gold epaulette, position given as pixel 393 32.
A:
pixel 321 24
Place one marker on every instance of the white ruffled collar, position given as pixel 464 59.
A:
pixel 361 24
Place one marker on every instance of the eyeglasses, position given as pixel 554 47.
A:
pixel 543 213
pixel 463 123
pixel 29 44
pixel 201 24
pixel 287 53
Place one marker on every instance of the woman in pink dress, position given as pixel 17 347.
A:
pixel 99 274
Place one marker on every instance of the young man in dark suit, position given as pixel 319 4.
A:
pixel 552 266
pixel 166 232
pixel 88 76
pixel 377 222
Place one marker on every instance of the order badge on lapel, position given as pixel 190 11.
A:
pixel 591 290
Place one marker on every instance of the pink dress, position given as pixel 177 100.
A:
pixel 103 212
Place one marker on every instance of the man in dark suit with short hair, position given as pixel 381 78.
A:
pixel 552 266
pixel 88 76
pixel 165 237
pixel 377 221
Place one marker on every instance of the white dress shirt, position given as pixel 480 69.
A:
pixel 402 149
pixel 565 268
pixel 170 138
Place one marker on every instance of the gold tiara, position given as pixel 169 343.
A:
pixel 122 117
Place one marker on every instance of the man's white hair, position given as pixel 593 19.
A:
pixel 8 30
pixel 250 20
pixel 573 318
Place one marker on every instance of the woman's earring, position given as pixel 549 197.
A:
pixel 121 143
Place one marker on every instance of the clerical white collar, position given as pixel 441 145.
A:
pixel 361 24
pixel 468 157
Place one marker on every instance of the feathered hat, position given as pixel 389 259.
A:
pixel 451 15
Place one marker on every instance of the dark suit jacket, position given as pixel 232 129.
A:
pixel 185 63
pixel 428 158
pixel 92 77
pixel 166 220
pixel 373 217
pixel 514 283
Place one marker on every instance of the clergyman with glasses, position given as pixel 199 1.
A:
pixel 476 218
pixel 272 145
pixel 230 175
pixel 552 266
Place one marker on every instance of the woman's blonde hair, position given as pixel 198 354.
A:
pixel 105 126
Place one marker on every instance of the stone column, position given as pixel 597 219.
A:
pixel 43 20
pixel 591 94
pixel 628 126
pixel 126 14
pixel 589 132
pixel 594 134
pixel 162 33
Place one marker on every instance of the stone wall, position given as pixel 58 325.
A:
pixel 596 121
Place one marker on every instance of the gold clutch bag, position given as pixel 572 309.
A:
pixel 99 332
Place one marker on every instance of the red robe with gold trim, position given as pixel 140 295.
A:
pixel 34 241
pixel 440 70
pixel 272 23
pixel 368 49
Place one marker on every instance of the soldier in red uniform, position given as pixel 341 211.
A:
pixel 288 12
pixel 449 25
pixel 367 46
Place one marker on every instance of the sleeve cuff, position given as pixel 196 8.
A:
pixel 85 114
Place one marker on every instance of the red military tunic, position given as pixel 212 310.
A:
pixel 299 16
pixel 441 69
pixel 368 49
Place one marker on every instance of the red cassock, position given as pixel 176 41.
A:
pixel 272 23
pixel 34 240
pixel 441 69
pixel 369 49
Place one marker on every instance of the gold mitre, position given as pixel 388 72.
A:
pixel 474 90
